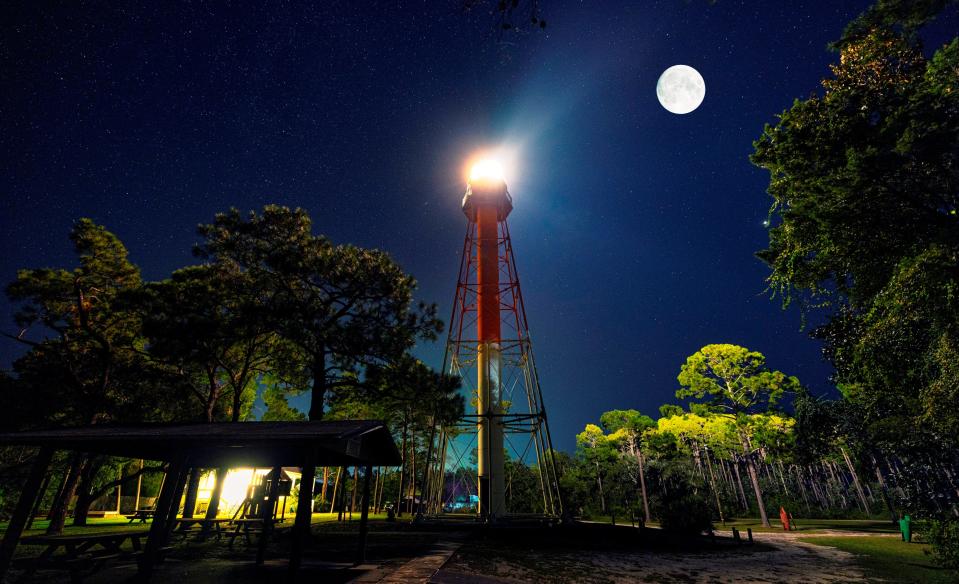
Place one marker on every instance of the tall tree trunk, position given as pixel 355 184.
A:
pixel 894 473
pixel 239 383
pixel 326 480
pixel 119 487
pixel 816 483
pixel 235 414
pixel 58 512
pixel 699 462
pixel 893 514
pixel 782 477
pixel 399 493
pixel 379 496
pixel 739 483
pixel 754 478
pixel 340 509
pixel 602 497
pixel 336 486
pixel 712 482
pixel 411 481
pixel 802 489
pixel 855 481
pixel 318 397
pixel 84 492
pixel 136 500
pixel 642 484
pixel 356 474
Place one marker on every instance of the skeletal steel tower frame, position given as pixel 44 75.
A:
pixel 489 347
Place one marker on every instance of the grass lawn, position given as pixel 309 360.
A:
pixel 803 525
pixel 96 524
pixel 813 525
pixel 111 524
pixel 890 559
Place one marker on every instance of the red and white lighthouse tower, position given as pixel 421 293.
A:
pixel 489 346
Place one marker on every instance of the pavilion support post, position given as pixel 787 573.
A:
pixel 29 493
pixel 179 487
pixel 192 490
pixel 39 499
pixel 172 486
pixel 364 517
pixel 267 514
pixel 304 512
pixel 213 508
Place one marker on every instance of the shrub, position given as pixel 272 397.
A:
pixel 943 536
pixel 683 508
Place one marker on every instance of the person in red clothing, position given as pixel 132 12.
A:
pixel 784 517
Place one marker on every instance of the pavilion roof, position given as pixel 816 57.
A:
pixel 337 443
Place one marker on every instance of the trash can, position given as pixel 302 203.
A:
pixel 905 527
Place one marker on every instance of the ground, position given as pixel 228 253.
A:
pixel 821 551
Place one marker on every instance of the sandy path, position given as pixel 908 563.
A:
pixel 791 561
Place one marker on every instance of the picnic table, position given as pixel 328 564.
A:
pixel 142 515
pixel 184 526
pixel 81 552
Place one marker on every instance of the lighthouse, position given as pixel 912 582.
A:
pixel 490 348
pixel 487 204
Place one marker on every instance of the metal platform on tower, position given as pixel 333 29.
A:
pixel 473 466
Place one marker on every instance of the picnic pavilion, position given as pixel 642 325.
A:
pixel 224 445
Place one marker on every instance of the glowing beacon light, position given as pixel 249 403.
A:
pixel 487 170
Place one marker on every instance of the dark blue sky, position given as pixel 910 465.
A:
pixel 634 228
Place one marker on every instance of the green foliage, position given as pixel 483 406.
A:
pixel 203 326
pixel 628 421
pixel 523 491
pixel 669 410
pixel 861 176
pixel 342 307
pixel 594 445
pixel 277 408
pixel 683 510
pixel 84 364
pixel 901 359
pixel 733 379
pixel 865 224
pixel 943 536
pixel 906 16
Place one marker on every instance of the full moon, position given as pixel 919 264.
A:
pixel 680 89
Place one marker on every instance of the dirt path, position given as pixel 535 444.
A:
pixel 790 561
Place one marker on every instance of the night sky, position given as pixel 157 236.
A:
pixel 634 228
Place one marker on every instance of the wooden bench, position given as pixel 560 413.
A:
pixel 83 554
